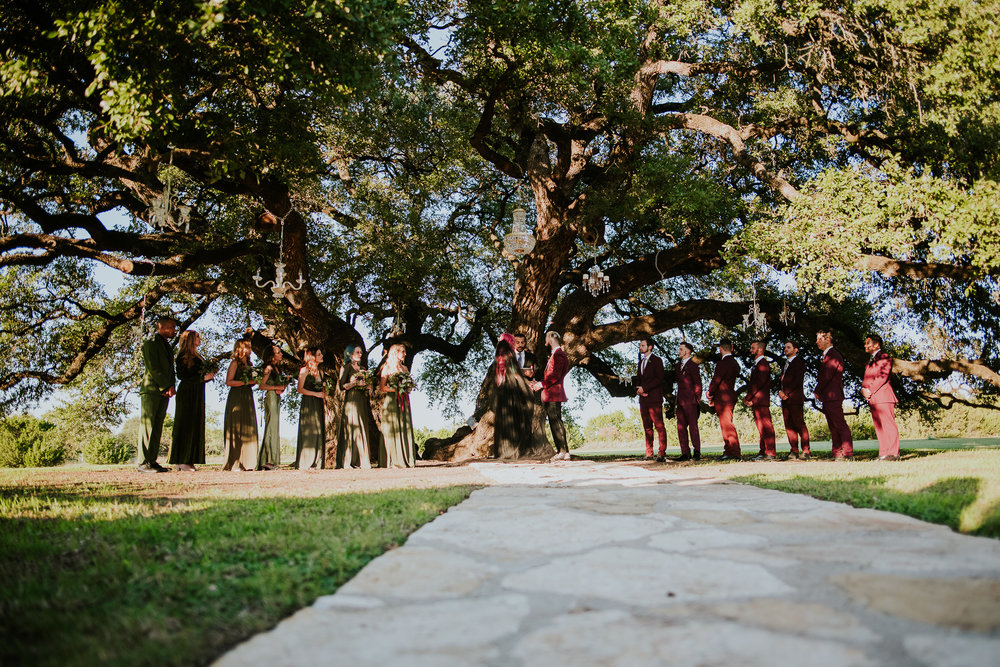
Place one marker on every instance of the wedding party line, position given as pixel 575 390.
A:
pixel 516 395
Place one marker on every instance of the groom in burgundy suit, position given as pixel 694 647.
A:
pixel 650 392
pixel 830 390
pixel 882 399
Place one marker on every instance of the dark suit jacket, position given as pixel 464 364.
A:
pixel 688 383
pixel 877 372
pixel 759 384
pixel 722 388
pixel 791 381
pixel 830 378
pixel 552 381
pixel 651 381
pixel 158 365
pixel 529 361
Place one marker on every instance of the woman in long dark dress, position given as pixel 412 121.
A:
pixel 354 436
pixel 187 443
pixel 310 447
pixel 512 403
pixel 273 384
pixel 239 428
pixel 398 448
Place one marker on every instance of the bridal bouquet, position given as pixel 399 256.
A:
pixel 402 383
pixel 247 375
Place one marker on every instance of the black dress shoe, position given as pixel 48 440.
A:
pixel 158 468
pixel 661 459
pixel 727 457
pixel 683 457
pixel 145 467
pixel 763 457
pixel 697 456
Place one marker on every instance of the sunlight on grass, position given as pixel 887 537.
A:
pixel 959 488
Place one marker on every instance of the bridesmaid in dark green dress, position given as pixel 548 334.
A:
pixel 310 448
pixel 273 384
pixel 187 444
pixel 239 428
pixel 398 448
pixel 354 437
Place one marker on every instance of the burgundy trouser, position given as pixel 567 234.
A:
pixel 730 439
pixel 762 417
pixel 840 432
pixel 652 417
pixel 687 422
pixel 884 417
pixel 795 427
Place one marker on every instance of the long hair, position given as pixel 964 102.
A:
pixel 504 357
pixel 309 357
pixel 241 351
pixel 394 362
pixel 349 352
pixel 186 349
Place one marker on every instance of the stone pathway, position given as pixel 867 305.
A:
pixel 612 564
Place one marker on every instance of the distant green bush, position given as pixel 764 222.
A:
pixel 109 449
pixel 617 426
pixel 26 441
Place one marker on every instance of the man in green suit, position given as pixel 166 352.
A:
pixel 155 392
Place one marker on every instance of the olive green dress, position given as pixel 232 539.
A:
pixel 187 444
pixel 239 429
pixel 398 448
pixel 270 444
pixel 354 436
pixel 310 448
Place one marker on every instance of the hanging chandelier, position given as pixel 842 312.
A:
pixel 596 281
pixel 519 242
pixel 755 316
pixel 163 213
pixel 787 315
pixel 279 286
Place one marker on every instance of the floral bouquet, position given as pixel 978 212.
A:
pixel 401 382
pixel 247 375
pixel 331 385
pixel 364 376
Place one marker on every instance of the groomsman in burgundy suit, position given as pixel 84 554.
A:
pixel 554 394
pixel 830 390
pixel 793 399
pixel 881 398
pixel 688 395
pixel 650 392
pixel 722 396
pixel 759 400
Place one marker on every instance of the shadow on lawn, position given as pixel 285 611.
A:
pixel 942 502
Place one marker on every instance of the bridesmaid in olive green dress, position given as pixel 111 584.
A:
pixel 273 383
pixel 310 448
pixel 354 437
pixel 398 448
pixel 239 429
pixel 187 445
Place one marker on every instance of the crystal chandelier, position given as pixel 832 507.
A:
pixel 162 209
pixel 519 242
pixel 787 315
pixel 755 316
pixel 279 286
pixel 596 281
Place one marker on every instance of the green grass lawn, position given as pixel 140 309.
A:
pixel 93 575
pixel 955 482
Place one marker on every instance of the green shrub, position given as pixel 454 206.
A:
pixel 26 441
pixel 109 449
pixel 617 426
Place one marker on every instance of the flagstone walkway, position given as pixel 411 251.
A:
pixel 582 563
